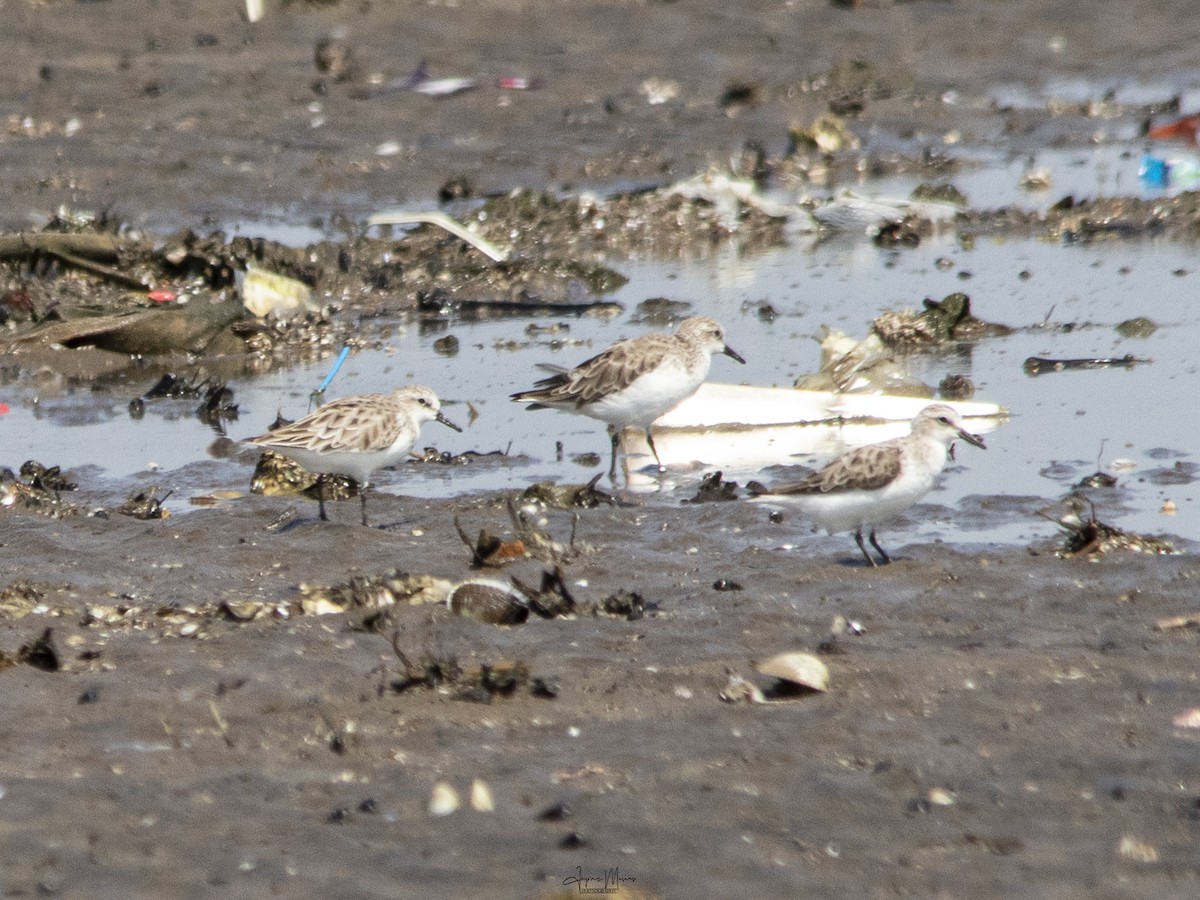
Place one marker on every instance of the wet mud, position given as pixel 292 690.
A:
pixel 242 701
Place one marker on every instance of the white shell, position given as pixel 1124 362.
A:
pixel 797 668
pixel 444 800
pixel 481 796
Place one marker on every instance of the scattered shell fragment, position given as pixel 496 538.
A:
pixel 1136 850
pixel 1188 718
pixel 481 796
pixel 444 800
pixel 659 90
pixel 1036 179
pixel 373 592
pixel 827 134
pixel 245 610
pixel 802 669
pixel 940 797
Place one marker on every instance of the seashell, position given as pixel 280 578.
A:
pixel 803 669
pixel 1187 719
pixel 243 610
pixel 443 800
pixel 488 600
pixel 481 796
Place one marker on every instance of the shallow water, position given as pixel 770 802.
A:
pixel 1065 300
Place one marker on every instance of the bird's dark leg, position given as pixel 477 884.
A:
pixel 614 436
pixel 861 546
pixel 654 450
pixel 321 497
pixel 362 496
pixel 882 552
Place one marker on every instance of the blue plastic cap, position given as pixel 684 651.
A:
pixel 1153 172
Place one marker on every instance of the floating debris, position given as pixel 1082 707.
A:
pixel 941 322
pixel 1036 365
pixel 1098 480
pixel 660 312
pixel 1138 327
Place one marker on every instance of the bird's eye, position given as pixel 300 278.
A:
pixel 424 401
pixel 945 420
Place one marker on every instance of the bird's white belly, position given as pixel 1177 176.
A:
pixel 851 510
pixel 356 464
pixel 648 397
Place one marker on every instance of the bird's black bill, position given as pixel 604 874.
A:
pixel 972 439
pixel 733 354
pixel 447 422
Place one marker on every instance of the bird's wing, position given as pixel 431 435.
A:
pixel 605 373
pixel 342 424
pixel 862 469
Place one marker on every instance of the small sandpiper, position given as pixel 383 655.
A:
pixel 634 382
pixel 873 484
pixel 354 436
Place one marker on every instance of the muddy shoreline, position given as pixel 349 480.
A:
pixel 1003 722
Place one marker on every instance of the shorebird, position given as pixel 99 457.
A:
pixel 875 483
pixel 635 381
pixel 355 436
